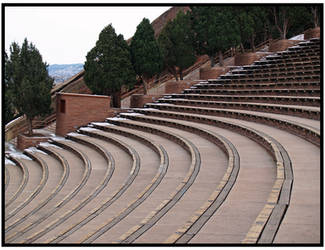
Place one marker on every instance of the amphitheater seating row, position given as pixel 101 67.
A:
pixel 221 162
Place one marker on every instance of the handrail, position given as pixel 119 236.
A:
pixel 20 125
pixel 11 132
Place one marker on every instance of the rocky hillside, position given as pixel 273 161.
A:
pixel 62 72
pixel 159 23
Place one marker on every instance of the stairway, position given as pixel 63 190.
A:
pixel 230 160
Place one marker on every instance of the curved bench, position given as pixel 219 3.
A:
pixel 108 173
pixel 167 204
pixel 289 100
pixel 56 190
pixel 279 197
pixel 224 187
pixel 305 132
pixel 24 180
pixel 14 176
pixel 261 92
pixel 305 112
pixel 67 198
pixel 7 178
pixel 37 190
pixel 212 84
pixel 106 203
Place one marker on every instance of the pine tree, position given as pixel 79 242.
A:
pixel 176 43
pixel 28 82
pixel 250 21
pixel 108 65
pixel 9 110
pixel 145 53
pixel 168 50
pixel 288 17
pixel 216 30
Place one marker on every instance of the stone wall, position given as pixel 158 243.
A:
pixel 312 33
pixel 178 86
pixel 282 45
pixel 75 110
pixel 139 100
pixel 247 58
pixel 24 141
pixel 212 73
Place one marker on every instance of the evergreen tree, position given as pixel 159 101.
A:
pixel 176 43
pixel 145 53
pixel 28 82
pixel 167 50
pixel 250 20
pixel 316 14
pixel 108 65
pixel 216 30
pixel 286 17
pixel 9 110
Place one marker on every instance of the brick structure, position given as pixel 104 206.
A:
pixel 312 33
pixel 75 110
pixel 139 100
pixel 247 58
pixel 212 73
pixel 282 45
pixel 24 141
pixel 178 86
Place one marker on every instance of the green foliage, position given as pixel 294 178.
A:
pixel 145 53
pixel 167 49
pixel 9 110
pixel 28 82
pixel 216 29
pixel 289 20
pixel 315 11
pixel 251 21
pixel 176 43
pixel 108 65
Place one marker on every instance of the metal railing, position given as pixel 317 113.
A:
pixel 20 124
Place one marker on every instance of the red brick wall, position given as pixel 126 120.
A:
pixel 246 58
pixel 312 33
pixel 178 86
pixel 26 141
pixel 212 73
pixel 80 110
pixel 282 45
pixel 139 100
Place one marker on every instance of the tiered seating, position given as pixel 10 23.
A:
pixel 223 162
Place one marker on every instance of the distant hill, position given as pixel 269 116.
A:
pixel 62 72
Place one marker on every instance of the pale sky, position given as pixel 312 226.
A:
pixel 64 35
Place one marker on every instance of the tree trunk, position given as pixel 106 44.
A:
pixel 30 126
pixel 314 11
pixel 242 48
pixel 253 43
pixel 181 73
pixel 145 86
pixel 212 61
pixel 221 63
pixel 172 71
pixel 117 99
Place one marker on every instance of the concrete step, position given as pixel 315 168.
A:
pixel 293 110
pixel 307 132
pixel 285 100
pixel 188 236
pixel 79 171
pixel 212 168
pixel 174 151
pixel 147 174
pixel 14 178
pixel 34 172
pixel 102 167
